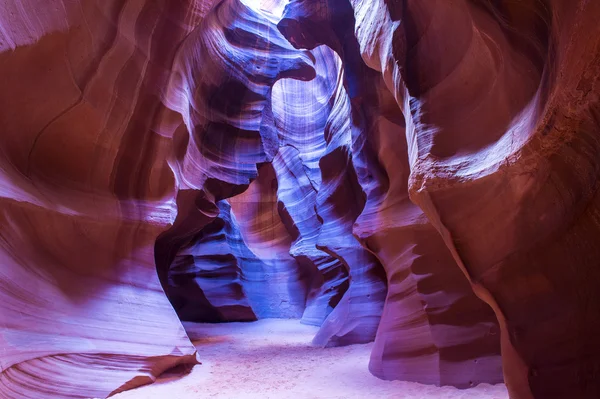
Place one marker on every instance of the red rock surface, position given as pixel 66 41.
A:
pixel 85 190
pixel 418 173
pixel 502 128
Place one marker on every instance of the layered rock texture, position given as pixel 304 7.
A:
pixel 418 173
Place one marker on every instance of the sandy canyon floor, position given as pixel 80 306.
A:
pixel 273 359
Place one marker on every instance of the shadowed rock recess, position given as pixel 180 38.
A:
pixel 418 173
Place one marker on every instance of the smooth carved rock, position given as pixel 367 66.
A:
pixel 433 329
pixel 339 202
pixel 374 173
pixel 205 279
pixel 221 85
pixel 277 284
pixel 221 90
pixel 299 197
pixel 85 190
pixel 502 130
pixel 340 197
pixel 301 128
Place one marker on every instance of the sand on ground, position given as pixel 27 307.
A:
pixel 274 359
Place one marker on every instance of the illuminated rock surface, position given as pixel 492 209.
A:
pixel 503 143
pixel 418 173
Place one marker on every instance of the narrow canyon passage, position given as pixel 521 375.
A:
pixel 299 198
pixel 274 359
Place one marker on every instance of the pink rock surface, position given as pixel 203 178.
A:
pixel 86 187
pixel 502 139
pixel 418 173
pixel 277 286
pixel 433 328
pixel 85 190
pixel 205 278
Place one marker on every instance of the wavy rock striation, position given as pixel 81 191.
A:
pixel 205 279
pixel 85 190
pixel 301 127
pixel 278 284
pixel 340 198
pixel 224 127
pixel 434 329
pixel 502 131
pixel 418 173
pixel 86 187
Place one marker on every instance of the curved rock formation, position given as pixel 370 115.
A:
pixel 420 173
pixel 86 188
pixel 433 329
pixel 221 90
pixel 205 278
pixel 432 320
pixel 502 129
pixel 278 284
pixel 340 198
pixel 84 192
pixel 301 126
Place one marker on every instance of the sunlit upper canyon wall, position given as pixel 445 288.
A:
pixel 422 174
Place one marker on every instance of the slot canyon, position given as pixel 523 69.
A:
pixel 311 199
